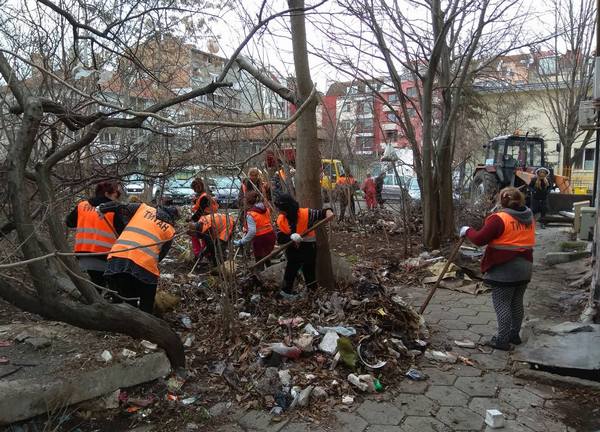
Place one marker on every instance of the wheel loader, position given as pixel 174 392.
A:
pixel 512 160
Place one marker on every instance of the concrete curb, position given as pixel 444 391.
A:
pixel 553 258
pixel 25 398
pixel 554 379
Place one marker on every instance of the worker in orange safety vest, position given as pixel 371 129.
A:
pixel 507 264
pixel 132 267
pixel 215 230
pixel 258 228
pixel 95 233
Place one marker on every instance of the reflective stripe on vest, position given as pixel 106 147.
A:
pixel 143 232
pixel 223 225
pixel 302 225
pixel 262 221
pixel 94 232
pixel 516 236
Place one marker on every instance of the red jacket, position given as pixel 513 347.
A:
pixel 369 186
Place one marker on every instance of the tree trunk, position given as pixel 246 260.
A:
pixel 46 300
pixel 308 156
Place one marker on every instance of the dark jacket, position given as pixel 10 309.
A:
pixel 540 194
pixel 124 265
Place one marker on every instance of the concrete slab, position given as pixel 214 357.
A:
pixel 24 398
pixel 579 350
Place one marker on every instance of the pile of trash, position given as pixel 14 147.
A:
pixel 329 347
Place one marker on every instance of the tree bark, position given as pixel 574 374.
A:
pixel 308 155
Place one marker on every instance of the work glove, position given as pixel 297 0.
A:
pixel 237 243
pixel 296 238
pixel 463 231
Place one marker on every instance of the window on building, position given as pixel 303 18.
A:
pixel 391 117
pixel 346 125
pixel 366 125
pixel 411 92
pixel 364 108
pixel 347 107
pixel 585 161
pixel 391 136
pixel 547 66
pixel 364 143
pixel 412 112
pixel 393 98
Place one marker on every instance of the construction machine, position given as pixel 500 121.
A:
pixel 512 160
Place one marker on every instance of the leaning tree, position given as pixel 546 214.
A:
pixel 73 71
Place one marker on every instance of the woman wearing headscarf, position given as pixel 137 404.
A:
pixel 507 263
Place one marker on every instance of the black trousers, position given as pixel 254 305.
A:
pixel 211 251
pixel 98 278
pixel 130 287
pixel 302 258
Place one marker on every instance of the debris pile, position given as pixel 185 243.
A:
pixel 326 347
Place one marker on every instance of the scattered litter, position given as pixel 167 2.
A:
pixel 377 365
pixel 356 382
pixel 335 361
pixel 244 315
pixel 347 400
pixel 292 352
pixel 276 411
pixel 464 343
pixel 106 356
pixel 190 400
pixel 186 322
pixel 494 418
pixel 304 396
pixel 175 383
pixel 304 342
pixel 466 360
pixel 399 346
pixel 4 360
pixel 285 377
pixel 416 375
pixel 5 343
pixel 149 345
pixel 294 322
pixel 255 299
pixel 444 357
pixel 167 276
pixel 346 352
pixel 139 402
pixel 127 353
pixel 189 340
pixel 308 328
pixel 340 330
pixel 329 343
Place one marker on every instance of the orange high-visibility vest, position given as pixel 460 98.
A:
pixel 212 207
pixel 223 225
pixel 94 233
pixel 143 230
pixel 516 236
pixel 302 225
pixel 262 221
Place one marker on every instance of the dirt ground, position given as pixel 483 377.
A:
pixel 229 373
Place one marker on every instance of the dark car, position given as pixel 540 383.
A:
pixel 227 191
pixel 178 192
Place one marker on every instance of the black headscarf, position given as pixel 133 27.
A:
pixel 286 203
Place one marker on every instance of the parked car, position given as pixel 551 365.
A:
pixel 135 185
pixel 227 191
pixel 391 188
pixel 179 192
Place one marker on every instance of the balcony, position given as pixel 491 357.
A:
pixel 389 126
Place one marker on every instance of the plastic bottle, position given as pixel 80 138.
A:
pixel 292 352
